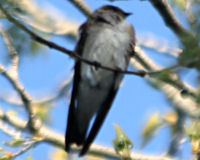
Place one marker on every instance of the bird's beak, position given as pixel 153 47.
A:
pixel 128 14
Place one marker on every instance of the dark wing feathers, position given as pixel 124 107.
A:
pixel 72 134
pixel 100 117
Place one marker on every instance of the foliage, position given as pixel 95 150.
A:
pixel 122 143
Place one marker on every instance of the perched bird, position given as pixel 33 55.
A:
pixel 108 39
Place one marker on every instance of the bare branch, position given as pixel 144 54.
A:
pixel 189 57
pixel 147 63
pixel 172 92
pixel 13 53
pixel 39 17
pixel 57 139
pixel 178 136
pixel 170 19
pixel 80 4
pixel 10 98
pixel 9 131
pixel 29 145
pixel 25 97
pixel 63 89
pixel 158 44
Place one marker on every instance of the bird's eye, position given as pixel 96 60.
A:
pixel 101 19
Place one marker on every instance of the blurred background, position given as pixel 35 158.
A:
pixel 144 108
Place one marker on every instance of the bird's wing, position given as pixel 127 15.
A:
pixel 101 114
pixel 71 132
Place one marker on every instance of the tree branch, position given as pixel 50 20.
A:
pixel 190 55
pixel 29 145
pixel 171 91
pixel 13 53
pixel 63 89
pixel 160 45
pixel 179 132
pixel 9 131
pixel 170 19
pixel 85 9
pixel 64 50
pixel 71 53
pixel 25 97
pixel 57 139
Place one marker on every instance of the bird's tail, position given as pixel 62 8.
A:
pixel 75 133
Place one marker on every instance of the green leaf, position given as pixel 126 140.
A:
pixel 165 75
pixel 194 130
pixel 179 3
pixel 190 55
pixel 29 157
pixel 151 127
pixel 194 135
pixel 6 156
pixel 122 143
pixel 42 111
pixel 15 142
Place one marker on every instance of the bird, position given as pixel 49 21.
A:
pixel 107 38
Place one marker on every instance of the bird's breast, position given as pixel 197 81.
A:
pixel 107 46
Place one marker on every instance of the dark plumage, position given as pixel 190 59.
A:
pixel 108 39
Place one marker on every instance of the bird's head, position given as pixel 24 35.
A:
pixel 110 14
pixel 113 10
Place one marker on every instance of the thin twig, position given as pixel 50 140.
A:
pixel 29 145
pixel 172 92
pixel 63 90
pixel 64 50
pixel 149 65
